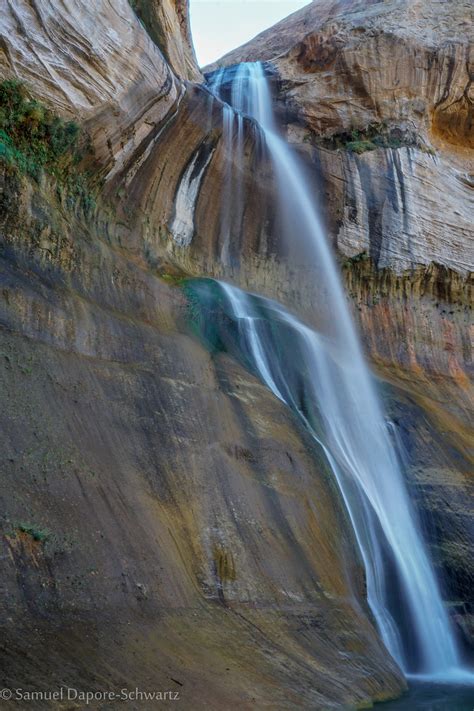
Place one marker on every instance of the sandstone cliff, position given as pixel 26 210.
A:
pixel 166 523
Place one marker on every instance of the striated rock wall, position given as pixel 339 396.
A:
pixel 212 551
pixel 165 522
pixel 168 24
pixel 93 62
pixel 345 63
pixel 348 66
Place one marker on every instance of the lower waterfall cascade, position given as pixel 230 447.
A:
pixel 324 378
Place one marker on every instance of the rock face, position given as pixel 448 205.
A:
pixel 95 63
pixel 365 72
pixel 168 25
pixel 166 523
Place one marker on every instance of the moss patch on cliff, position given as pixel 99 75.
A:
pixel 355 259
pixel 38 534
pixel 376 135
pixel 205 314
pixel 34 140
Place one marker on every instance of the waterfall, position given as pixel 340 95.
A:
pixel 324 378
pixel 231 194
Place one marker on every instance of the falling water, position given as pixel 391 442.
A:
pixel 231 195
pixel 342 410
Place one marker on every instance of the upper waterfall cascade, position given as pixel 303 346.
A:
pixel 340 406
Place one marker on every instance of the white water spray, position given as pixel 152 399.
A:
pixel 231 196
pixel 415 626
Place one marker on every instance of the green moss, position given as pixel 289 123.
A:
pixel 373 136
pixel 361 257
pixel 36 533
pixel 33 140
pixel 173 279
pixel 14 158
pixel 360 146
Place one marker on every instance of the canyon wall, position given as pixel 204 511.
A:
pixel 166 522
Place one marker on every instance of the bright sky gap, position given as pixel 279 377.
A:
pixel 219 26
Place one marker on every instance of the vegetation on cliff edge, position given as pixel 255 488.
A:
pixel 33 140
pixel 373 136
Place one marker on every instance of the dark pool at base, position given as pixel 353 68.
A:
pixel 432 697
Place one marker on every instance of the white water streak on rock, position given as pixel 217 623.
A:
pixel 182 227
